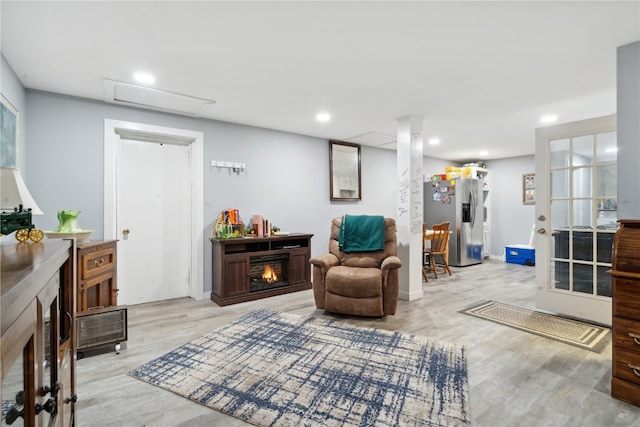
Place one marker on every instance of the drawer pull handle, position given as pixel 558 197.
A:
pixel 636 369
pixel 636 337
pixel 99 263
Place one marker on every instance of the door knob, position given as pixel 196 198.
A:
pixel 541 231
pixel 126 231
pixel 541 218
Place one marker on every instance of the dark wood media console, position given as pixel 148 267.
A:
pixel 247 269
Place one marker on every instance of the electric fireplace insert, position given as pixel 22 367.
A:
pixel 268 272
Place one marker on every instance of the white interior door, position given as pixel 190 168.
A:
pixel 153 221
pixel 575 196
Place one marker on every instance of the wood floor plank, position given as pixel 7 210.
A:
pixel 515 378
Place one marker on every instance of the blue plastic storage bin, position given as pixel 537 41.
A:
pixel 520 254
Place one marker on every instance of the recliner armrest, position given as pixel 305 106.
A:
pixel 325 261
pixel 390 263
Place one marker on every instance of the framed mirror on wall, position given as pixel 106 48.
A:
pixel 344 171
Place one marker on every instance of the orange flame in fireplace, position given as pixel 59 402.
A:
pixel 269 274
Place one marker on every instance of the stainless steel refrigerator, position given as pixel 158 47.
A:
pixel 460 203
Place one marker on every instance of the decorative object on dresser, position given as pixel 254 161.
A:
pixel 228 225
pixel 38 335
pixel 100 320
pixel 68 227
pixel 247 269
pixel 625 269
pixel 17 206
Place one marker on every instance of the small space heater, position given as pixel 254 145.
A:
pixel 103 326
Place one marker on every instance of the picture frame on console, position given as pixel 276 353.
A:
pixel 344 171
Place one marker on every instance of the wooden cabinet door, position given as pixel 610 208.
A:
pixel 18 348
pixel 299 267
pixel 66 400
pixel 98 292
pixel 97 268
pixel 236 276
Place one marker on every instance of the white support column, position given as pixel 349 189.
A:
pixel 410 209
pixel 628 87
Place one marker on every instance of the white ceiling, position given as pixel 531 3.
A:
pixel 480 73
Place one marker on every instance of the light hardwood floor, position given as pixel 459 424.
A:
pixel 515 378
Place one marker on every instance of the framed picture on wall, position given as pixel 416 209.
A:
pixel 9 131
pixel 529 188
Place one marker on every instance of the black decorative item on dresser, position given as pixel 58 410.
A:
pixel 625 382
pixel 247 269
pixel 37 303
pixel 100 320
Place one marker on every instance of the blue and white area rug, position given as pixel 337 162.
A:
pixel 280 369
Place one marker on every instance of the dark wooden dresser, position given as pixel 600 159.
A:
pixel 625 381
pixel 37 307
pixel 101 322
pixel 97 287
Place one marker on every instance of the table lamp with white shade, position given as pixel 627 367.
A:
pixel 17 206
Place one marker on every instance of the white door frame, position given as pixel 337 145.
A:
pixel 196 141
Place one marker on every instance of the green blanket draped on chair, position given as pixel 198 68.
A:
pixel 361 233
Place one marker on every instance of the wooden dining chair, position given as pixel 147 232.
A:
pixel 424 253
pixel 439 246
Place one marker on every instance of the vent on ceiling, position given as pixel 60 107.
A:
pixel 373 139
pixel 154 99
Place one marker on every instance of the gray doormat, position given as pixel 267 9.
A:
pixel 573 332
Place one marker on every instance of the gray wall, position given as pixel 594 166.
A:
pixel 286 179
pixel 511 221
pixel 628 90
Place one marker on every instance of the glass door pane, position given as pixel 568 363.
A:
pixel 583 200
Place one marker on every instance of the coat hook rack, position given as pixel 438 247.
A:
pixel 235 167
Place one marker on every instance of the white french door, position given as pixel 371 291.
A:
pixel 576 202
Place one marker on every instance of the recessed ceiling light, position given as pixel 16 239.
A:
pixel 484 153
pixel 323 117
pixel 548 118
pixel 144 78
pixel 434 141
pixel 612 150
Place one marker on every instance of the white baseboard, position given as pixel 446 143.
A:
pixel 410 297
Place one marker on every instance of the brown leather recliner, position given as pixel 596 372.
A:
pixel 358 283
